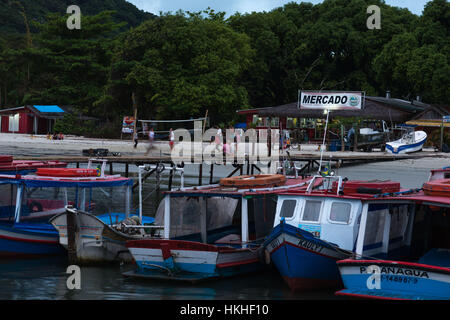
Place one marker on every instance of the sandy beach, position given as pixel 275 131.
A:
pixel 410 172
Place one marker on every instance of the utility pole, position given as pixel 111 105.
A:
pixel 133 97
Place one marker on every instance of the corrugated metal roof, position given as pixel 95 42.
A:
pixel 48 109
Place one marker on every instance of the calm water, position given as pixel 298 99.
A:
pixel 45 278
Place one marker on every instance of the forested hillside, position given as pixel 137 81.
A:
pixel 12 20
pixel 180 65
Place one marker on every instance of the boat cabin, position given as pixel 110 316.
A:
pixel 36 198
pixel 336 215
pixel 216 214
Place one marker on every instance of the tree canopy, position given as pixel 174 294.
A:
pixel 181 64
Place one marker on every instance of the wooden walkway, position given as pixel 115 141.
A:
pixel 311 161
pixel 294 156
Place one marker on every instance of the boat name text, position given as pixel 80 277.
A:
pixel 397 271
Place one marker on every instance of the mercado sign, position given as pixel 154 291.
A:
pixel 331 100
pixel 128 124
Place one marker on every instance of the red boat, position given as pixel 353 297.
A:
pixel 10 166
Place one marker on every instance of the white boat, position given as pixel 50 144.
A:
pixel 98 239
pixel 410 142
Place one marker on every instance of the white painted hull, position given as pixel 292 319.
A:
pixel 401 146
pixel 91 243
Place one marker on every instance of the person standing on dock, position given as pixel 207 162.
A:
pixel 171 138
pixel 219 138
pixel 135 138
pixel 151 138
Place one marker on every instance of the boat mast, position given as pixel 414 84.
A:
pixel 324 136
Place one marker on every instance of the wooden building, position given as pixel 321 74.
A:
pixel 30 119
pixel 290 116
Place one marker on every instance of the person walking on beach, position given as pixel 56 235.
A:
pixel 218 139
pixel 135 138
pixel 171 138
pixel 151 138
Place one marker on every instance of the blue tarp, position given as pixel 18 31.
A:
pixel 68 184
pixel 48 108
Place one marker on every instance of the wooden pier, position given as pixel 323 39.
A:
pixel 310 160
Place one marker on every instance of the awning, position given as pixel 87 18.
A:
pixel 429 123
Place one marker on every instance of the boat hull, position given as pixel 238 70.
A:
pixel 185 260
pixel 21 240
pixel 397 280
pixel 304 262
pixel 398 147
pixel 95 240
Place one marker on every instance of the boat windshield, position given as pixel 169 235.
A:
pixel 7 201
pixel 223 217
pixel 39 204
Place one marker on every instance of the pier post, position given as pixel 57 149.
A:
pixel 126 169
pixel 200 174
pixel 71 236
pixel 342 138
pixel 211 173
pixel 171 176
pixel 111 168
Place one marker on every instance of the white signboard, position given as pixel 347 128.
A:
pixel 337 100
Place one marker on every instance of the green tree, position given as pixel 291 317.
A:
pixel 70 67
pixel 179 66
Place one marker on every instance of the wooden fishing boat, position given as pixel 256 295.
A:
pixel 99 238
pixel 315 228
pixel 423 273
pixel 102 238
pixel 209 232
pixel 27 202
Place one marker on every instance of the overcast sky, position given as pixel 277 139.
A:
pixel 242 6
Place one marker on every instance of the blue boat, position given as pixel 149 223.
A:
pixel 28 202
pixel 210 231
pixel 423 274
pixel 313 229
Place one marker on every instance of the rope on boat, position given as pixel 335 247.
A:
pixel 148 196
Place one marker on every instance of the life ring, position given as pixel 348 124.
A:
pixel 66 172
pixel 254 181
pixel 439 187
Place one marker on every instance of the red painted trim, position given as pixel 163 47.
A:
pixel 367 296
pixel 393 263
pixel 28 240
pixel 237 263
pixel 173 245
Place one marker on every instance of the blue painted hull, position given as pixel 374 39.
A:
pixel 396 280
pixel 405 148
pixel 303 261
pixel 185 260
pixel 29 240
